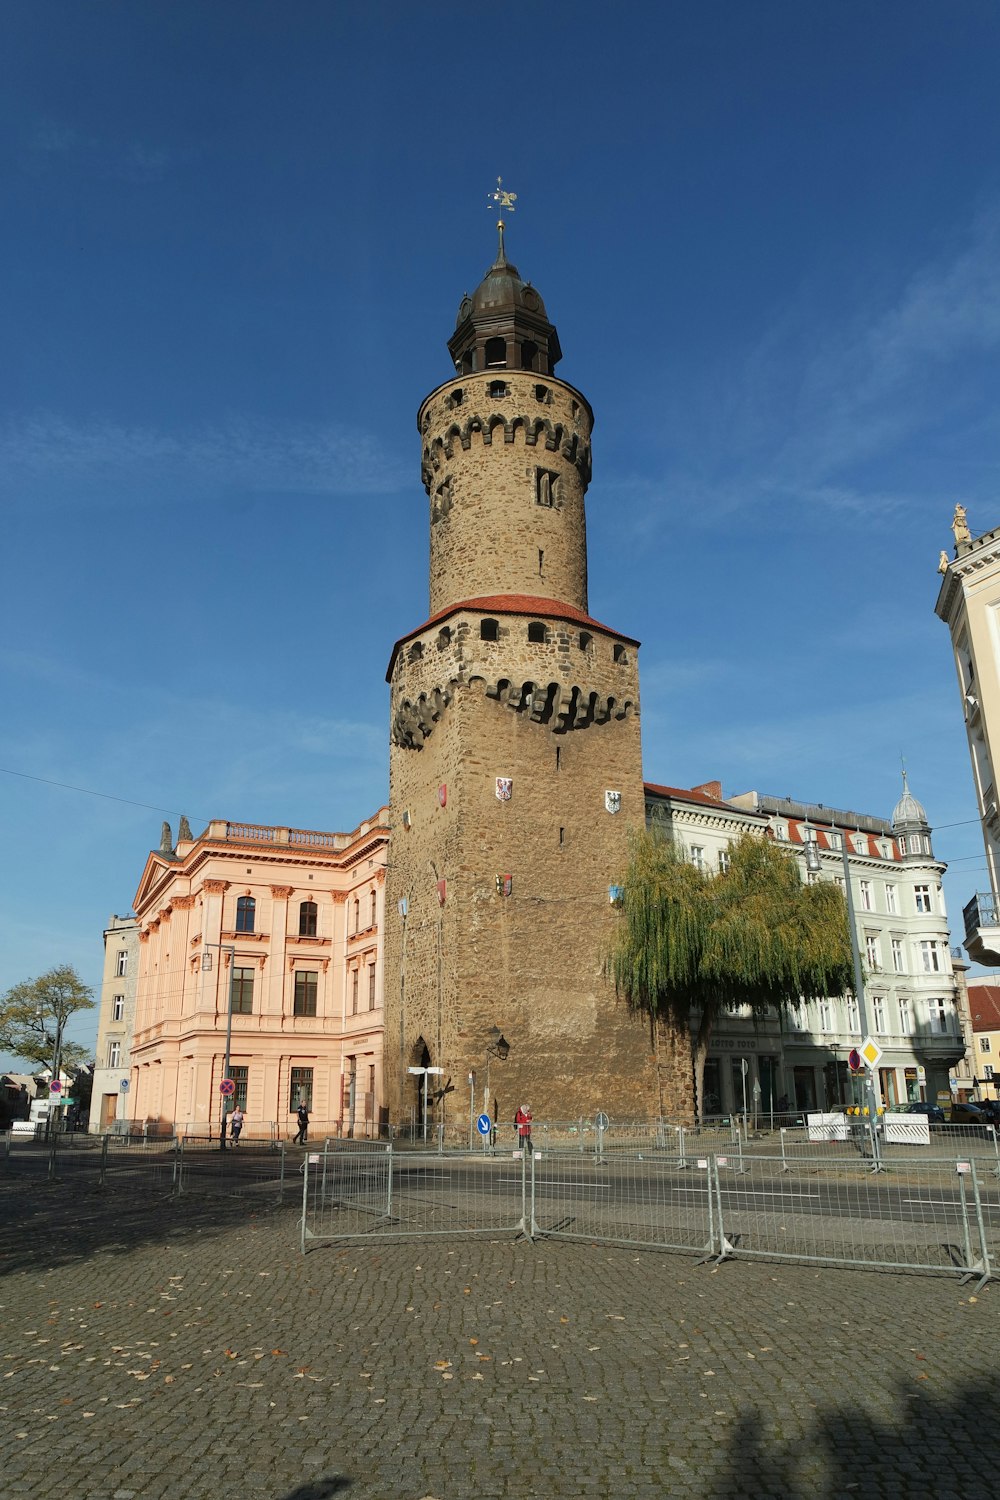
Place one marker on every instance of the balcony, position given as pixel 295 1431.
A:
pixel 982 929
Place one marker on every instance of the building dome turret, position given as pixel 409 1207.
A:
pixel 908 815
pixel 910 825
pixel 504 325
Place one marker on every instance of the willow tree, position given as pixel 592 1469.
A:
pixel 691 946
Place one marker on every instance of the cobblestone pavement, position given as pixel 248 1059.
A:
pixel 152 1348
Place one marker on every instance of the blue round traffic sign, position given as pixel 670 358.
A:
pixel 484 1124
pixel 227 1087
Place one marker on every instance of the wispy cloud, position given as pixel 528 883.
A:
pixel 51 142
pixel 815 410
pixel 48 458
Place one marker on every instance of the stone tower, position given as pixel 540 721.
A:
pixel 515 757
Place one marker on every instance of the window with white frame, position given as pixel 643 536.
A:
pixel 898 960
pixel 988 1071
pixel 871 951
pixel 930 956
pixel 114 1054
pixel 723 861
pixel 890 900
pixel 118 1008
pixel 779 830
pixel 984 1044
pixel 922 897
pixel 860 842
pixel 865 887
pixel 937 1014
pixel 698 856
pixel 834 839
pixel 809 835
pixel 825 1015
pixel 878 1012
pixel 121 967
pixel 853 1015
pixel 905 1016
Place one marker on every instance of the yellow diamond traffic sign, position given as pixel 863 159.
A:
pixel 871 1052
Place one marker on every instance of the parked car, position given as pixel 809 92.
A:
pixel 968 1113
pixel 991 1109
pixel 934 1112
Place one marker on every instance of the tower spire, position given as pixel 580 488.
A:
pixel 504 201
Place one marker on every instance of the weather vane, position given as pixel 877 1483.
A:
pixel 504 201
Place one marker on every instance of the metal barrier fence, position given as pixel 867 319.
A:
pixel 380 1193
pixel 922 1216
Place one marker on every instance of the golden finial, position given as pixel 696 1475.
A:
pixel 504 201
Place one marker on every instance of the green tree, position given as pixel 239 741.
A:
pixel 33 1017
pixel 691 946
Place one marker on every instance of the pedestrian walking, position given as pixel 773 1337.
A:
pixel 523 1122
pixel 236 1124
pixel 302 1115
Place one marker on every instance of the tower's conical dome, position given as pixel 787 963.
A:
pixel 908 815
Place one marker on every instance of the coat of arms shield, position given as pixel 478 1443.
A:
pixel 613 801
pixel 505 786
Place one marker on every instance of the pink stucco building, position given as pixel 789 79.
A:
pixel 288 924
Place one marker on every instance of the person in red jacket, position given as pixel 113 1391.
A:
pixel 523 1122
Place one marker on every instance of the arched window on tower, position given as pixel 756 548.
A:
pixel 536 631
pixel 585 640
pixel 496 354
pixel 620 654
pixel 307 919
pixel 444 638
pixel 489 630
pixel 529 355
pixel 245 908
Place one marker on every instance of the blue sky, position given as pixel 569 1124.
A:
pixel 235 239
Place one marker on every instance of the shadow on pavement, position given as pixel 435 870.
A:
pixel 47 1225
pixel 922 1443
pixel 320 1489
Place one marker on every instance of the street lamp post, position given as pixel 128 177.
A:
pixel 426 1073
pixel 814 864
pixel 498 1047
pixel 224 948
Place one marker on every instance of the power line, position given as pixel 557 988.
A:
pixel 89 792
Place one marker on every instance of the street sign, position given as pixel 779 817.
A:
pixel 602 1122
pixel 484 1124
pixel 55 1087
pixel 227 1087
pixel 124 1085
pixel 854 1060
pixel 871 1052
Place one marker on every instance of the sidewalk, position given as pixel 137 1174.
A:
pixel 187 1350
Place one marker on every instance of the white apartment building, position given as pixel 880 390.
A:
pixel 969 604
pixel 115 1018
pixel 800 1059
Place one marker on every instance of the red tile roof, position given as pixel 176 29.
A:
pixel 696 795
pixel 984 1006
pixel 511 604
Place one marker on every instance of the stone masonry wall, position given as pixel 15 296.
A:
pixel 506 476
pixel 529 962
